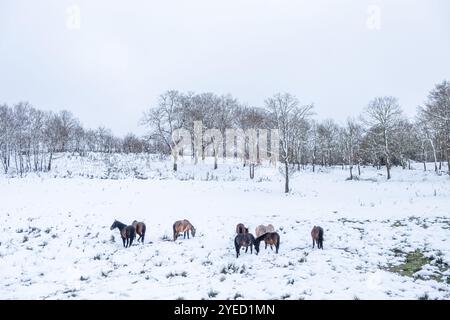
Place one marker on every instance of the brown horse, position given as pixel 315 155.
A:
pixel 317 236
pixel 240 228
pixel 270 238
pixel 244 240
pixel 261 229
pixel 182 227
pixel 128 233
pixel 140 230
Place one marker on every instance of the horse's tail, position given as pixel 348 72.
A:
pixel 320 238
pixel 174 231
pixel 277 246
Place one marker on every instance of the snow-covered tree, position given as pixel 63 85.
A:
pixel 383 115
pixel 352 134
pixel 286 112
pixel 436 115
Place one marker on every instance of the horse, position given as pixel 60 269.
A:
pixel 240 228
pixel 182 226
pixel 317 236
pixel 261 229
pixel 128 233
pixel 270 238
pixel 140 230
pixel 244 240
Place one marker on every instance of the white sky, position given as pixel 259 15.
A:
pixel 126 53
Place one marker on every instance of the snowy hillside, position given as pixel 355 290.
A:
pixel 383 239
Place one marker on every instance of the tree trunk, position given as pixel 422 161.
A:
pixel 387 154
pixel 351 172
pixel 314 160
pixel 175 158
pixel 286 175
pixel 424 158
pixel 434 155
pixel 359 169
pixel 448 156
pixel 388 169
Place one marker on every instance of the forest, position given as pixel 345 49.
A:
pixel 381 135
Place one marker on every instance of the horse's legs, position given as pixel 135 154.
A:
pixel 184 235
pixel 313 243
pixel 123 239
pixel 251 249
pixel 246 249
pixel 142 238
pixel 271 248
pixel 266 246
pixel 237 250
pixel 187 232
pixel 131 242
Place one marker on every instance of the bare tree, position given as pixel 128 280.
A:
pixel 163 120
pixel 313 143
pixel 286 112
pixel 436 113
pixel 352 139
pixel 6 136
pixel 384 114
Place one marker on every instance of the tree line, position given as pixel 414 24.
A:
pixel 29 138
pixel 380 136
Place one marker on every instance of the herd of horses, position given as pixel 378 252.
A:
pixel 243 239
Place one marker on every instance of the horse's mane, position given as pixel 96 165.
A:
pixel 120 224
pixel 260 238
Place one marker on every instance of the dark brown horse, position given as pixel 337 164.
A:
pixel 183 227
pixel 140 230
pixel 128 233
pixel 271 239
pixel 317 236
pixel 244 240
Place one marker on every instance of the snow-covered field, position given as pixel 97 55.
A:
pixel 55 241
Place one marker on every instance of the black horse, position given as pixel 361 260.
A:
pixel 271 239
pixel 244 240
pixel 317 236
pixel 128 233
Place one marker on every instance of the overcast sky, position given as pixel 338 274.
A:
pixel 337 54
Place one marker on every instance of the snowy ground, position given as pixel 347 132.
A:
pixel 55 241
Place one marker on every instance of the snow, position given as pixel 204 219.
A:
pixel 55 241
